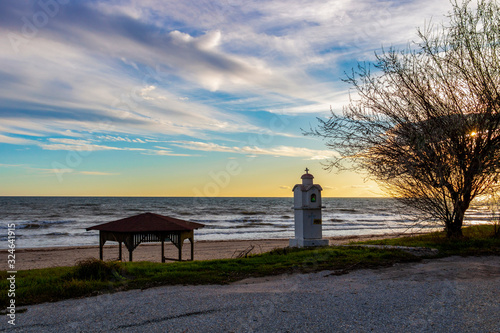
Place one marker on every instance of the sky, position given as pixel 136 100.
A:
pixel 184 98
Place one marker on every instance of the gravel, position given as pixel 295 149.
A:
pixel 452 294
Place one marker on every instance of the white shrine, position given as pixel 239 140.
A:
pixel 307 207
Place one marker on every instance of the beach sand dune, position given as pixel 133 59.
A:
pixel 204 250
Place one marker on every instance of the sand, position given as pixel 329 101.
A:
pixel 204 250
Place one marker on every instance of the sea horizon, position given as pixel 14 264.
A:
pixel 49 221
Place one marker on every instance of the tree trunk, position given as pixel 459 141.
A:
pixel 454 228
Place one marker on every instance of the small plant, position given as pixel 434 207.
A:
pixel 95 269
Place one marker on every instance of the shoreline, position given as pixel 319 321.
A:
pixel 45 257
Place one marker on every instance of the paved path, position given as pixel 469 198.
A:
pixel 446 295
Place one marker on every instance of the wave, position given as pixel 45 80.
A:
pixel 185 213
pixel 251 213
pixel 371 220
pixel 346 210
pixel 40 224
pixel 53 216
pixel 254 225
pixel 87 204
pixel 235 232
pixel 357 224
pixel 364 227
pixel 107 213
pixel 138 210
pixel 247 220
pixel 57 234
pixel 31 226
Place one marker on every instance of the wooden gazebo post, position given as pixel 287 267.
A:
pixel 163 249
pixel 180 251
pixel 191 239
pixel 102 240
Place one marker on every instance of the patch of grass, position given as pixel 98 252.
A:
pixel 477 240
pixel 92 277
pixel 271 263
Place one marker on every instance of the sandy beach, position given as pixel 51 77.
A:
pixel 204 250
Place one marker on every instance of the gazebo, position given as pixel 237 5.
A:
pixel 147 228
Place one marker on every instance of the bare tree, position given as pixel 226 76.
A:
pixel 425 123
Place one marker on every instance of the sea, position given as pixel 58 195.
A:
pixel 61 221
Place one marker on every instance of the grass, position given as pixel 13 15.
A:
pixel 477 240
pixel 93 277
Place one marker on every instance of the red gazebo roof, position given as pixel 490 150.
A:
pixel 147 222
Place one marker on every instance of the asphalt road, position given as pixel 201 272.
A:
pixel 445 295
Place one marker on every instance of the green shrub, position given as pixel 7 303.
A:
pixel 95 269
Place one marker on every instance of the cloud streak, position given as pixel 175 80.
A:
pixel 97 173
pixel 279 151
pixel 14 140
pixel 80 145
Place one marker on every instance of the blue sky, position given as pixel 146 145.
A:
pixel 183 98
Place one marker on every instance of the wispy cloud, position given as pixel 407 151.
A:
pixel 285 151
pixel 361 186
pixel 14 140
pixel 2 165
pixel 164 151
pixel 80 145
pixel 47 171
pixel 97 173
pixel 121 139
